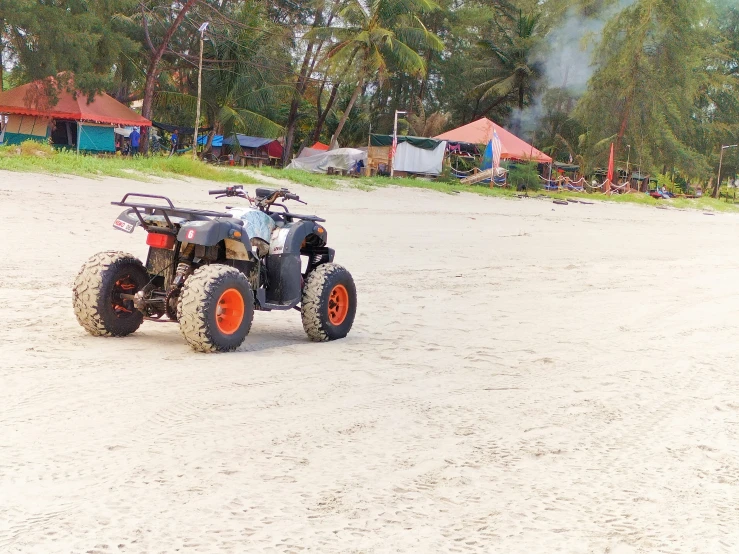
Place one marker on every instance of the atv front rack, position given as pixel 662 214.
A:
pixel 167 211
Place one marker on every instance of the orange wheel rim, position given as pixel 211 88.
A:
pixel 230 311
pixel 338 305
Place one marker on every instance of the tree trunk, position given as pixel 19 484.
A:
pixel 345 115
pixel 305 71
pixel 520 98
pixel 624 120
pixel 209 143
pixel 322 118
pixel 152 71
pixel 319 97
pixel 497 102
pixel 2 49
pixel 474 111
pixel 292 117
pixel 425 78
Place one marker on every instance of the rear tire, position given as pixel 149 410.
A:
pixel 96 295
pixel 329 303
pixel 215 309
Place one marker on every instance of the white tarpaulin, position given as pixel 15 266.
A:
pixel 341 158
pixel 411 159
pixel 308 152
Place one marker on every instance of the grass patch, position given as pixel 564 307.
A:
pixel 32 157
pixel 368 184
pixel 302 177
pixel 705 203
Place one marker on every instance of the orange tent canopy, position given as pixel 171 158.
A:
pixel 320 146
pixel 481 131
pixel 31 100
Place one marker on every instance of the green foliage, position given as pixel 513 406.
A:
pixel 664 85
pixel 524 176
pixel 84 38
pixel 648 81
pixel 665 181
pixel 32 156
pixel 373 38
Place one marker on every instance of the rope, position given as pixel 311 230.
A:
pixel 619 187
pixel 460 174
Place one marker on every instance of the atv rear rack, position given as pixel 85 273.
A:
pixel 166 211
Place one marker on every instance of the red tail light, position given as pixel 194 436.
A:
pixel 160 240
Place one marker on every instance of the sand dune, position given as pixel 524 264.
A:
pixel 521 377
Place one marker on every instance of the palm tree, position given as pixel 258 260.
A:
pixel 371 35
pixel 515 71
pixel 238 91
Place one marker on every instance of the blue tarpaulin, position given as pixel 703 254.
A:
pixel 217 140
pixel 244 141
pixel 248 142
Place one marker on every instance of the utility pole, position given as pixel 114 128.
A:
pixel 720 160
pixel 394 148
pixel 201 29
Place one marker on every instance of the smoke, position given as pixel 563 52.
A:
pixel 566 60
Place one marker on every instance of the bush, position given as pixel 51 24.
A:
pixel 524 176
pixel 446 176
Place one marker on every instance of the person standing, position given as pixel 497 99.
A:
pixel 174 140
pixel 135 139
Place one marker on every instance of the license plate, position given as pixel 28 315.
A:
pixel 123 225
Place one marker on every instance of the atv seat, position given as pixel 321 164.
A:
pixel 264 193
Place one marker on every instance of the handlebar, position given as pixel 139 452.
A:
pixel 262 202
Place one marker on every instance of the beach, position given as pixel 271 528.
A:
pixel 521 376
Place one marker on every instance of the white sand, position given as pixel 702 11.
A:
pixel 521 377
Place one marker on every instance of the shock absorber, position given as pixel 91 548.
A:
pixel 183 272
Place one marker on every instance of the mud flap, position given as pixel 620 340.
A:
pixel 283 274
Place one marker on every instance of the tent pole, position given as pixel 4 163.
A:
pixel 202 29
pixel 78 138
pixel 394 148
pixel 395 145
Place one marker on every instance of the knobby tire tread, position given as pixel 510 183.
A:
pixel 196 298
pixel 314 322
pixel 87 288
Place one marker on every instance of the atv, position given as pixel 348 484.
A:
pixel 209 271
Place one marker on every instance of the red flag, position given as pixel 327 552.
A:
pixel 610 166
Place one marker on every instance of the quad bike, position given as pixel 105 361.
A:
pixel 209 271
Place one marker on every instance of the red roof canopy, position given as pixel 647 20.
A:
pixel 320 146
pixel 31 99
pixel 481 131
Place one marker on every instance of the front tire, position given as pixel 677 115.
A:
pixel 97 303
pixel 215 309
pixel 329 303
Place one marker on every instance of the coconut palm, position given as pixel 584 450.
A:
pixel 370 36
pixel 515 71
pixel 239 95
